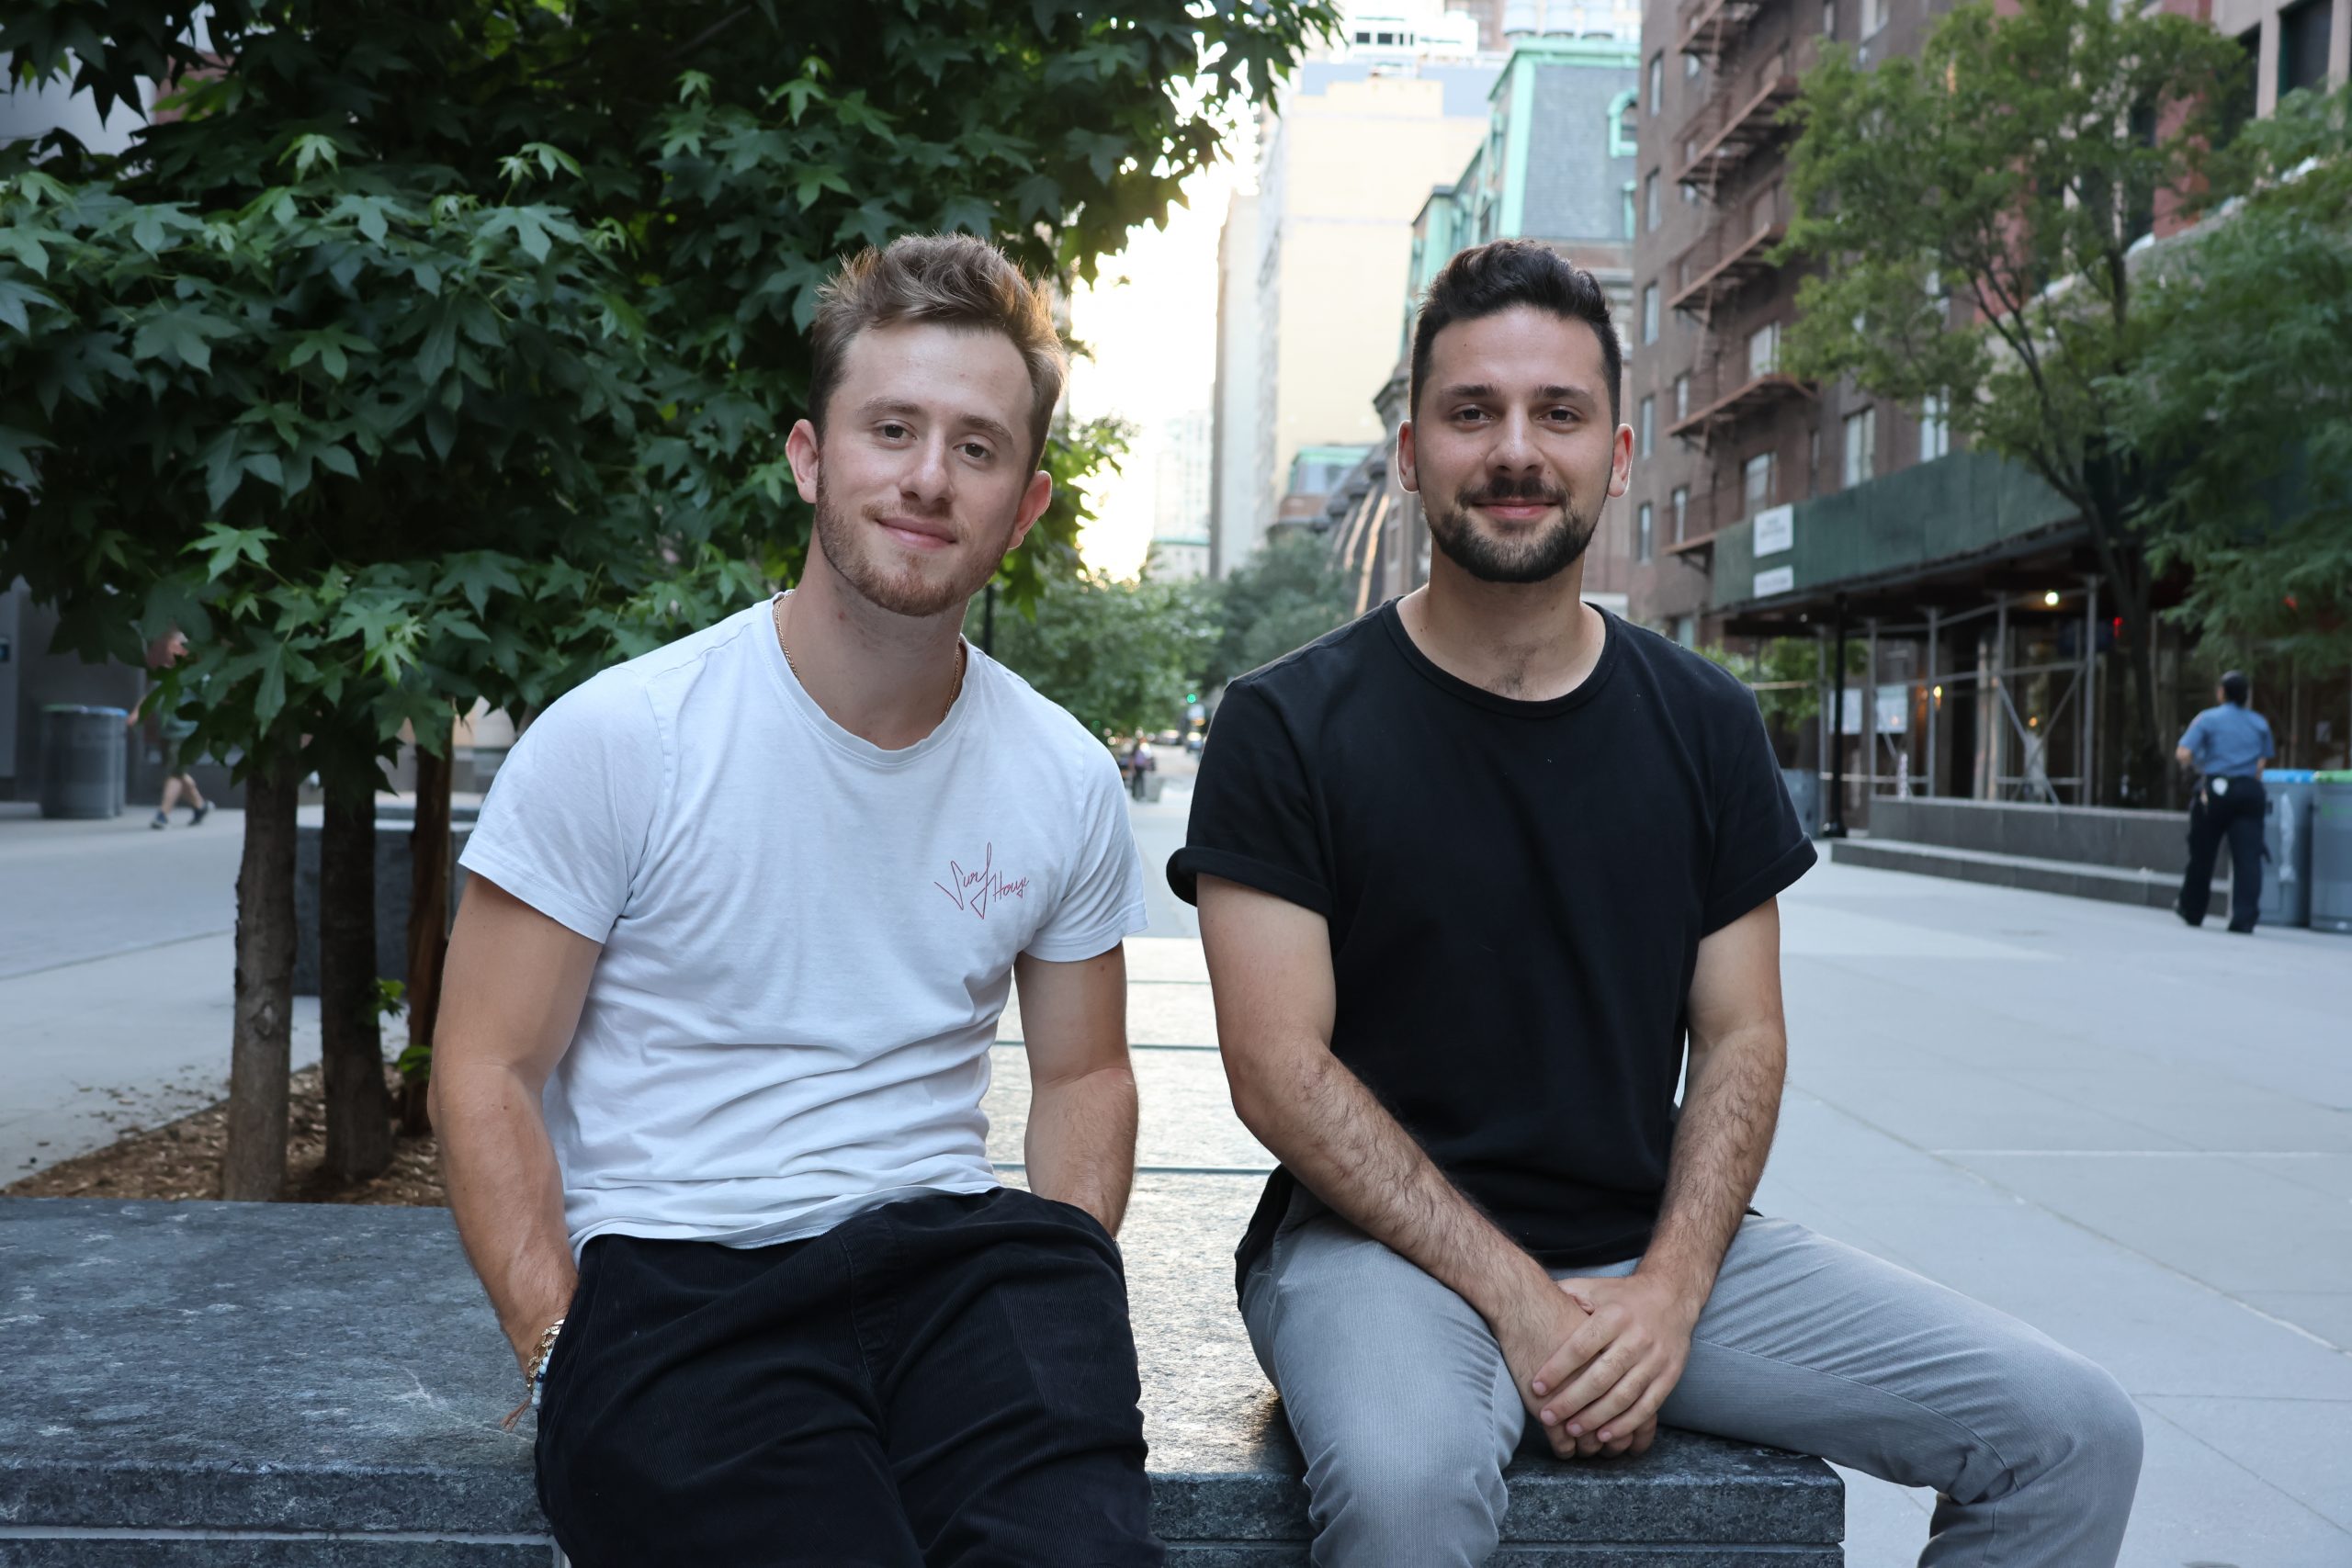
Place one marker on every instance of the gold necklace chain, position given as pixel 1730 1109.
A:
pixel 776 616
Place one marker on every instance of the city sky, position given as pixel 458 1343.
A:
pixel 1151 322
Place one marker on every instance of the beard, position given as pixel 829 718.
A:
pixel 847 545
pixel 1490 559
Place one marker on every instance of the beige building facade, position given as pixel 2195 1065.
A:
pixel 1353 147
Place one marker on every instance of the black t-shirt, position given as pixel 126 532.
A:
pixel 1516 892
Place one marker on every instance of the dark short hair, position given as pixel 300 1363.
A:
pixel 2234 687
pixel 1488 279
pixel 955 280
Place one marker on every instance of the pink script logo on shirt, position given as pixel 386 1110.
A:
pixel 976 890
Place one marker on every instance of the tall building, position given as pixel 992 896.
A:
pixel 1766 506
pixel 1352 145
pixel 1555 165
pixel 1237 516
pixel 1180 540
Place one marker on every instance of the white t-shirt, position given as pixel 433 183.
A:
pixel 807 938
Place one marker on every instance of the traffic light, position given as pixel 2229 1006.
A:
pixel 1192 697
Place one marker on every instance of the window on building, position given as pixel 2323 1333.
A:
pixel 1649 410
pixel 1658 80
pixel 2236 108
pixel 1813 461
pixel 2303 37
pixel 1681 506
pixel 1690 67
pixel 1873 16
pixel 1686 630
pixel 1935 429
pixel 1630 230
pixel 1649 201
pixel 1764 350
pixel 1681 397
pixel 1756 482
pixel 1645 546
pixel 1649 312
pixel 1829 19
pixel 1861 446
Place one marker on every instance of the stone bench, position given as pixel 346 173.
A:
pixel 202 1384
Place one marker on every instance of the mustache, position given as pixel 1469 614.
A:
pixel 1526 490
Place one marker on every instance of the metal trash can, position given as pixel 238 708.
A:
pixel 82 758
pixel 2331 839
pixel 2287 846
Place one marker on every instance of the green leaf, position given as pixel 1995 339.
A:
pixel 310 149
pixel 476 575
pixel 222 546
pixel 152 227
pixel 14 445
pixel 179 334
pixel 14 298
pixel 439 348
pixel 23 242
pixel 816 180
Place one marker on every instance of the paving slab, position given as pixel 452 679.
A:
pixel 1186 1123
pixel 1159 1012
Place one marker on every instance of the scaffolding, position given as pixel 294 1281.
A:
pixel 1998 701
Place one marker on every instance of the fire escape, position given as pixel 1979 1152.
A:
pixel 1734 378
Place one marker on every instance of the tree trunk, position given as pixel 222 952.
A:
pixel 428 930
pixel 260 1045
pixel 2108 487
pixel 351 1044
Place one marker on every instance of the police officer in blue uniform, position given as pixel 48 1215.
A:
pixel 2227 744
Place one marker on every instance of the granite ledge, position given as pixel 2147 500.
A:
pixel 329 1379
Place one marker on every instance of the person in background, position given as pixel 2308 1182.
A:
pixel 176 732
pixel 2227 744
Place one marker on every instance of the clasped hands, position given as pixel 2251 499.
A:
pixel 1595 1359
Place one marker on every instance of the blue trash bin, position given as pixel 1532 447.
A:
pixel 2287 846
pixel 82 758
pixel 2331 853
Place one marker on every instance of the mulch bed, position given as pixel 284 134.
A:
pixel 182 1160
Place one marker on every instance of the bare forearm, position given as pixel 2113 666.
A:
pixel 1332 1133
pixel 506 1194
pixel 1730 1108
pixel 1080 1145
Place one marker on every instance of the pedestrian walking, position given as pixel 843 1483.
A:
pixel 174 733
pixel 2227 744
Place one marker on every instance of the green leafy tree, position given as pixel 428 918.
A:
pixel 1287 594
pixel 2242 401
pixel 442 351
pixel 1119 656
pixel 1971 212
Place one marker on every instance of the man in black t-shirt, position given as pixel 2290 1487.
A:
pixel 1472 873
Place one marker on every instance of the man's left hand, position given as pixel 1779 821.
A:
pixel 1604 1386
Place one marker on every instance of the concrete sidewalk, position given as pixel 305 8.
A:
pixel 116 970
pixel 2135 1136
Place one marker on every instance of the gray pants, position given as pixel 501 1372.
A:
pixel 1406 1415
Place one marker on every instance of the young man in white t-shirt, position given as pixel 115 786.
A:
pixel 718 1008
